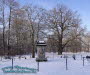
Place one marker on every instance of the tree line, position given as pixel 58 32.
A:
pixel 22 26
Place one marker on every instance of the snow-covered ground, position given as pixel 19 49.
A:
pixel 54 66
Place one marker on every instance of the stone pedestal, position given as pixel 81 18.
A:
pixel 41 51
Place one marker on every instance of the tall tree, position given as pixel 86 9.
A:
pixel 62 21
pixel 2 20
pixel 35 17
pixel 12 4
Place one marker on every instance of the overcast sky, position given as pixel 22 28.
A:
pixel 82 6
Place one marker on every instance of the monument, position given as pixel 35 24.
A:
pixel 41 51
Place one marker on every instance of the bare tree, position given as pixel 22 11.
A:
pixel 19 32
pixel 35 17
pixel 86 42
pixel 2 7
pixel 12 4
pixel 62 21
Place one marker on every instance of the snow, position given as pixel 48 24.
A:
pixel 41 41
pixel 54 66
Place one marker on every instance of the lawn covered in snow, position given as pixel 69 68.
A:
pixel 54 66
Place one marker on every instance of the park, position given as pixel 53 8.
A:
pixel 44 37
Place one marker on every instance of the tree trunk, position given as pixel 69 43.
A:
pixel 33 47
pixel 3 29
pixel 9 32
pixel 60 49
pixel 60 43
